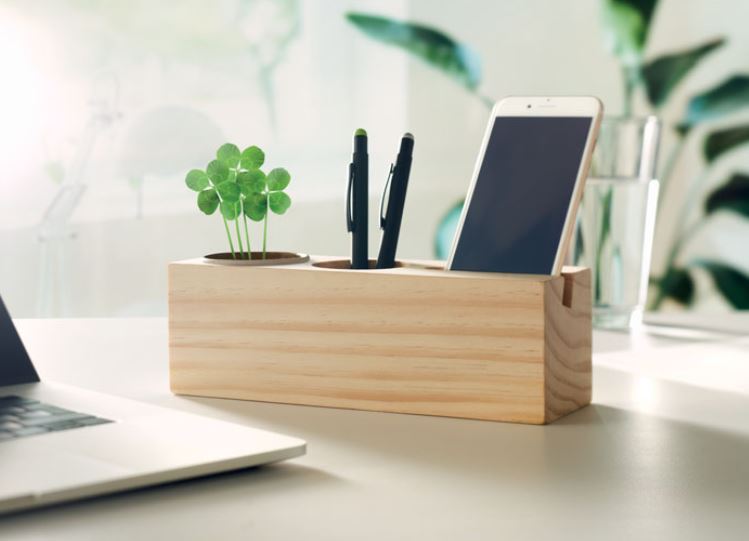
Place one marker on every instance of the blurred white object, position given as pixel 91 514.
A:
pixel 616 220
pixel 53 229
pixel 166 141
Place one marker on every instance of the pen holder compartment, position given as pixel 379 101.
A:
pixel 345 264
pixel 411 339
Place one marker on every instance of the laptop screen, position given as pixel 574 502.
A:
pixel 15 365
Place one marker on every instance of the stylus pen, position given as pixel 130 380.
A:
pixel 390 222
pixel 357 201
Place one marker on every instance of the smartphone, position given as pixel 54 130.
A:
pixel 527 185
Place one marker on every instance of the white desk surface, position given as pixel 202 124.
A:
pixel 662 454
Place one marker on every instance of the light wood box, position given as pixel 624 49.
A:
pixel 413 339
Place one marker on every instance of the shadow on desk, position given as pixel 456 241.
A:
pixel 602 448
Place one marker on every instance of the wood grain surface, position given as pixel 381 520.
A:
pixel 413 339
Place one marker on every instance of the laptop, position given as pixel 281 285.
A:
pixel 60 443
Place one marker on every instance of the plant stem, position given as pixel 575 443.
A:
pixel 604 201
pixel 226 225
pixel 228 235
pixel 239 238
pixel 631 80
pixel 246 233
pixel 265 232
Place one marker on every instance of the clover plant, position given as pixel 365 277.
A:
pixel 235 185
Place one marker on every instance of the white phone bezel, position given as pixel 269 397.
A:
pixel 542 106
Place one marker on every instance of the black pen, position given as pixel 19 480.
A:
pixel 358 191
pixel 390 222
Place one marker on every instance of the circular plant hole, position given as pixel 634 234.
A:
pixel 271 258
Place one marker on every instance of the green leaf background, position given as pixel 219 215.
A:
pixel 678 284
pixel 725 98
pixel 663 74
pixel 626 25
pixel 430 45
pixel 725 140
pixel 732 196
pixel 732 283
pixel 446 229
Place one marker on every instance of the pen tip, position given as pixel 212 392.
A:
pixel 360 131
pixel 408 135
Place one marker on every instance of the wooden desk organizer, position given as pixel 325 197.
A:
pixel 413 339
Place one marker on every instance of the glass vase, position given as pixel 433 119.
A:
pixel 616 221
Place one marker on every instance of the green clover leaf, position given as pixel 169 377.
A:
pixel 251 181
pixel 208 201
pixel 252 158
pixel 256 206
pixel 229 191
pixel 229 155
pixel 197 180
pixel 217 171
pixel 229 210
pixel 279 202
pixel 278 179
pixel 235 185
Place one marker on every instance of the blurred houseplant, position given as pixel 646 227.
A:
pixel 235 185
pixel 627 24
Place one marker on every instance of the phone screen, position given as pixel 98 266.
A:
pixel 517 211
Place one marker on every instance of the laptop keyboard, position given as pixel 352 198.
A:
pixel 20 417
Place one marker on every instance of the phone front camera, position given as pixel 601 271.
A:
pixel 529 106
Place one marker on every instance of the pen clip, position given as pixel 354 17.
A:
pixel 385 190
pixel 349 218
